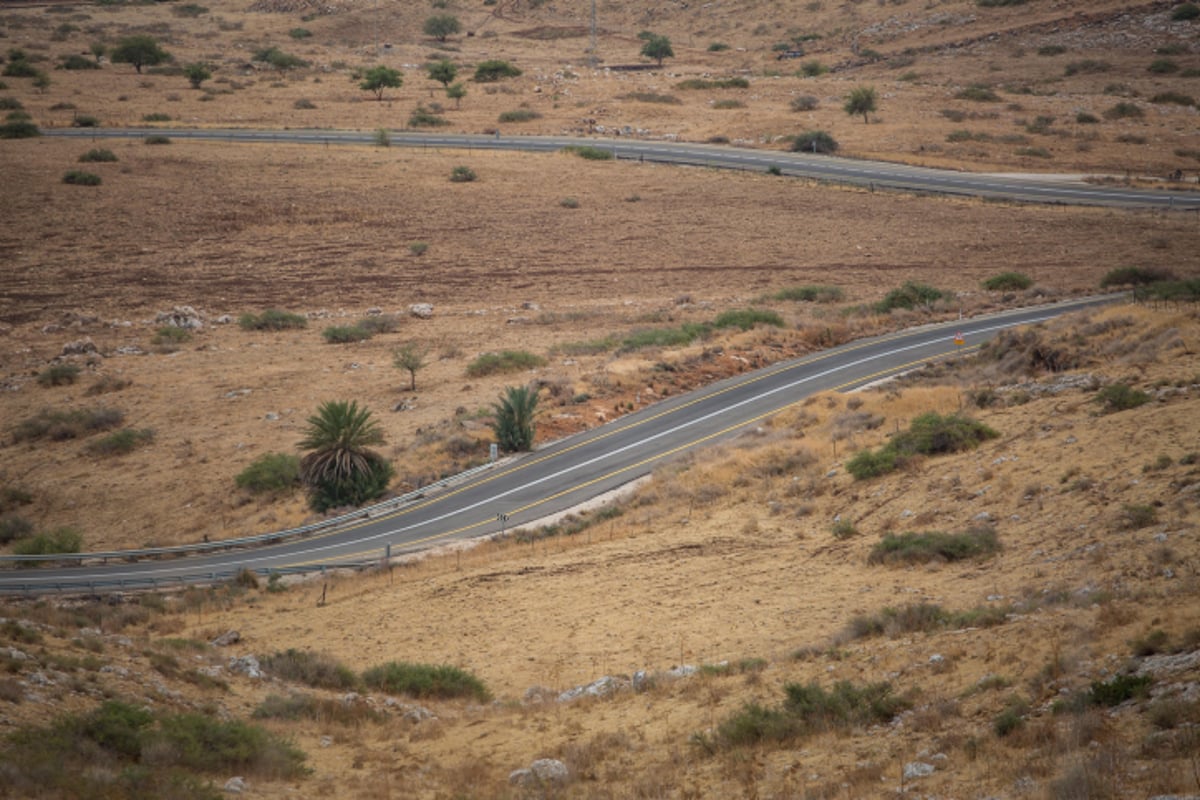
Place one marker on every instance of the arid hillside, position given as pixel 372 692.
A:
pixel 1039 639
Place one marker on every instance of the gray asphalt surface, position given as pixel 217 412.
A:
pixel 871 174
pixel 562 474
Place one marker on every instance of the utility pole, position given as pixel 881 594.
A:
pixel 594 59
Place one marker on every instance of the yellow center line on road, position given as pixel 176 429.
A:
pixel 658 457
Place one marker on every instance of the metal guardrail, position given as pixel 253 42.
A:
pixel 250 541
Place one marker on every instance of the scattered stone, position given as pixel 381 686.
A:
pixel 917 769
pixel 79 347
pixel 543 772
pixel 529 305
pixel 224 319
pixel 129 350
pixel 227 638
pixel 115 669
pixel 246 665
pixel 982 516
pixel 518 321
pixel 271 416
pixel 601 687
pixel 682 671
pixel 235 785
pixel 236 393
pixel 407 404
pixel 51 327
pixel 326 741
pixel 374 311
pixel 213 671
pixel 14 654
pixel 180 317
pixel 421 310
pixel 39 678
pixel 937 658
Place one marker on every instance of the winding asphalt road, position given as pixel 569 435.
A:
pixel 871 174
pixel 564 473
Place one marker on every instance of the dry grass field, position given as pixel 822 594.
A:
pixel 750 562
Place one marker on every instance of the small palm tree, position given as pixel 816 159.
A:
pixel 340 469
pixel 513 416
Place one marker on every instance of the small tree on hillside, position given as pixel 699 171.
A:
pixel 339 469
pixel 444 71
pixel 456 92
pixel 860 101
pixel 197 74
pixel 140 50
pixel 379 78
pixel 440 26
pixel 658 48
pixel 98 50
pixel 513 418
pixel 410 358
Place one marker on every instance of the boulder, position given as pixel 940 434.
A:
pixel 227 638
pixel 421 310
pixel 79 347
pixel 235 785
pixel 180 317
pixel 246 665
pixel 543 772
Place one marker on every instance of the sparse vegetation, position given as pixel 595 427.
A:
pixel 272 319
pixel 920 548
pixel 270 473
pixel 810 294
pixel 319 670
pixel 1008 282
pixel 910 296
pixel 121 442
pixel 79 177
pixel 814 142
pixel 720 83
pixel 278 59
pixel 61 425
pixel 426 681
pixel 1120 397
pixel 1185 12
pixel 422 117
pixel 462 174
pixel 55 542
pixel 58 375
pixel 505 361
pixel 1124 110
pixel 98 155
pixel 589 152
pixel 979 93
pixel 929 434
pixel 493 70
pixel 519 115
pixel 747 318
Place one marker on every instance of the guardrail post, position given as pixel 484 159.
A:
pixel 387 551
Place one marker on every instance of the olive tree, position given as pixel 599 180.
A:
pixel 861 100
pixel 379 78
pixel 440 26
pixel 140 50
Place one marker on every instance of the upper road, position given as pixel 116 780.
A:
pixel 871 174
pixel 567 472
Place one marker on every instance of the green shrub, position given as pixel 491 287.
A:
pixel 717 47
pixel 425 681
pixel 20 68
pixel 978 92
pixel 813 69
pixel 923 618
pixel 723 83
pixel 272 319
pixel 665 337
pixel 74 61
pixel 503 362
pixel 1136 516
pixel 810 294
pixel 999 3
pixel 1124 110
pixel 205 744
pixel 590 153
pixel 1173 98
pixel 1008 282
pixel 1185 291
pixel 519 115
pixel 13 527
pixel 929 434
pixel 814 142
pixel 920 548
pixel 345 334
pixel 14 496
pixel 1134 276
pixel 356 490
pixel 462 174
pixel 651 97
pixel 569 202
pixel 1185 12
pixel 1008 721
pixel 1162 66
pixel 1084 118
pixel 493 70
pixel 80 178
pixel 270 473
pixel 98 155
pixel 10 104
pixel 192 10
pixel 319 709
pixel 1120 397
pixel 121 442
pixel 278 59
pixel 844 529
pixel 61 425
pixel 157 139
pixel 1105 694
pixel 85 121
pixel 319 670
pixel 867 464
pixel 1088 66
pixel 422 117
pixel 804 102
pixel 171 335
pixel 727 104
pixel 1051 50
pixel 747 318
pixel 909 296
pixel 300 33
pixel 156 117
pixel 58 375
pixel 61 540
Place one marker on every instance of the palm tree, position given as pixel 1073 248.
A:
pixel 340 469
pixel 512 421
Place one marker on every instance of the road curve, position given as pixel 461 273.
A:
pixel 871 174
pixel 561 474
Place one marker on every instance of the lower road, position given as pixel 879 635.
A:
pixel 871 174
pixel 562 474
